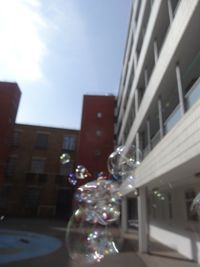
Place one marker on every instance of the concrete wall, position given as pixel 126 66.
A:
pixel 186 243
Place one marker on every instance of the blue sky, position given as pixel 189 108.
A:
pixel 59 50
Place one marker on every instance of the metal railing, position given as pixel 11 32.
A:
pixel 155 139
pixel 172 119
pixel 193 94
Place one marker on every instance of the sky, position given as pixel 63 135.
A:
pixel 59 50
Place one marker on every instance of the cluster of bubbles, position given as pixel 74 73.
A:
pixel 158 194
pixel 90 236
pixel 80 173
pixel 92 231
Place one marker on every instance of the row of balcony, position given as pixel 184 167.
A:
pixel 190 98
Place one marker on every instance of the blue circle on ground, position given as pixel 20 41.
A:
pixel 21 245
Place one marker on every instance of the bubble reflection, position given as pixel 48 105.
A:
pixel 92 231
pixel 88 241
pixel 65 158
pixel 81 172
pixel 123 161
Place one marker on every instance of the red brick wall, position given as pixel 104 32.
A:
pixel 91 141
pixel 9 101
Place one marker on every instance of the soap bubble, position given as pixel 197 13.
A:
pixel 90 232
pixel 81 172
pixel 99 190
pixel 65 158
pixel 72 178
pixel 107 213
pixel 89 242
pixel 88 193
pixel 195 207
pixel 123 161
pixel 2 217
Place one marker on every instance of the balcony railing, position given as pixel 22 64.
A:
pixel 193 94
pixel 173 118
pixel 155 139
pixel 146 151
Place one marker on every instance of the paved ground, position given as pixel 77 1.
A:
pixel 160 256
pixel 46 227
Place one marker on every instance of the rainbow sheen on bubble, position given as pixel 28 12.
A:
pixel 91 232
pixel 65 158
pixel 88 241
pixel 72 178
pixel 81 172
pixel 123 161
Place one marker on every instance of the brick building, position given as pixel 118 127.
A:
pixel 9 101
pixel 36 182
pixel 96 140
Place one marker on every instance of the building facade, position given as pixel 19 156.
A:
pixel 9 100
pixel 158 110
pixel 36 183
pixel 96 140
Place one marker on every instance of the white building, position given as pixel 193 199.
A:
pixel 158 110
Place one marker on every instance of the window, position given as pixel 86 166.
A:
pixel 65 168
pixel 69 142
pixel 16 138
pixel 11 165
pixel 32 199
pixel 30 178
pixel 59 180
pixel 41 141
pixel 42 179
pixel 174 4
pixel 37 165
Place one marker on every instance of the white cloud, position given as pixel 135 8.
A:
pixel 21 46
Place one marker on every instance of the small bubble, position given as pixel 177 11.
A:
pixel 65 158
pixel 72 178
pixel 123 161
pixel 81 172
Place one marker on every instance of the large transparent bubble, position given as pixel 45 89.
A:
pixel 123 161
pixel 93 231
pixel 88 241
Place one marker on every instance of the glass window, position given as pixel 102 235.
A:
pixel 32 199
pixel 42 179
pixel 16 138
pixel 37 165
pixel 41 141
pixel 69 142
pixel 64 169
pixel 11 165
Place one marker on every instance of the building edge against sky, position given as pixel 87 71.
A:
pixel 9 100
pixel 158 110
